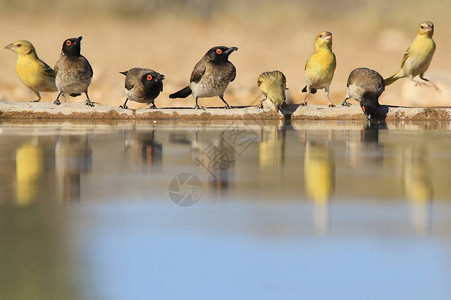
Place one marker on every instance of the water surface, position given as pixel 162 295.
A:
pixel 225 210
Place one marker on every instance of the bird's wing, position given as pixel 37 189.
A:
pixel 47 70
pixel 233 73
pixel 91 72
pixel 404 58
pixel 198 72
pixel 128 83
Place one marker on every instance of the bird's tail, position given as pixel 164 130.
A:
pixel 312 90
pixel 124 73
pixel 393 78
pixel 183 93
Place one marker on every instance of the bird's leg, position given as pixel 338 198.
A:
pixel 124 106
pixel 345 101
pixel 260 105
pixel 225 102
pixel 197 104
pixel 57 101
pixel 331 104
pixel 304 103
pixel 429 83
pixel 153 106
pixel 88 101
pixel 39 96
pixel 417 83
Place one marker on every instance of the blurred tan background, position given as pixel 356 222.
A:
pixel 171 36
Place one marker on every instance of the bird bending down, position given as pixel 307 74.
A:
pixel 320 67
pixel 211 76
pixel 32 71
pixel 365 86
pixel 273 85
pixel 142 85
pixel 73 71
pixel 417 58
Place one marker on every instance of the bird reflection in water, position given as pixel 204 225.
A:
pixel 418 187
pixel 215 157
pixel 212 154
pixel 73 157
pixel 319 176
pixel 29 170
pixel 142 147
pixel 368 150
pixel 271 154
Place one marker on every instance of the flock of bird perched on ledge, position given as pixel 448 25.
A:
pixel 213 73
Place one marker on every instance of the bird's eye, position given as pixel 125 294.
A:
pixel 19 45
pixel 422 27
pixel 149 77
pixel 363 108
pixel 218 51
pixel 68 43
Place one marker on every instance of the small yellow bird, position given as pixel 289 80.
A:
pixel 273 85
pixel 320 67
pixel 417 57
pixel 32 71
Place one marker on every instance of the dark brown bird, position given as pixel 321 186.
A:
pixel 365 86
pixel 142 85
pixel 363 80
pixel 211 76
pixel 73 71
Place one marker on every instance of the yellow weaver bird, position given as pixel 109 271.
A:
pixel 32 71
pixel 418 57
pixel 273 85
pixel 320 67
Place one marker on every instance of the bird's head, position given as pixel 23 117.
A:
pixel 369 104
pixel 426 28
pixel 323 38
pixel 21 47
pixel 72 47
pixel 220 54
pixel 150 79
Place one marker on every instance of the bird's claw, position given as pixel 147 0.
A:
pixel 346 104
pixel 123 106
pixel 304 104
pixel 37 100
pixel 227 106
pixel 89 103
pixel 57 102
pixel 331 105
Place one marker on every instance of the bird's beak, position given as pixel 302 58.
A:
pixel 230 50
pixel 160 77
pixel 79 39
pixel 328 36
pixel 10 47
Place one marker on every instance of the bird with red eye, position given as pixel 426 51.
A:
pixel 211 76
pixel 142 86
pixel 73 71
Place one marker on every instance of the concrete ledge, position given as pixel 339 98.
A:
pixel 79 111
pixel 46 110
pixel 354 112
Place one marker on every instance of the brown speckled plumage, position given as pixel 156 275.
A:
pixel 142 85
pixel 73 71
pixel 211 75
pixel 363 80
